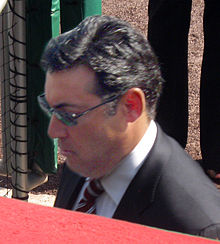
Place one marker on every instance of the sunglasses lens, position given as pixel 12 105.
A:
pixel 66 118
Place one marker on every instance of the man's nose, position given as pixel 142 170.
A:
pixel 56 128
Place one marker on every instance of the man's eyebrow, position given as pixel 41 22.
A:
pixel 61 105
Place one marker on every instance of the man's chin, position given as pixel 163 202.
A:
pixel 76 170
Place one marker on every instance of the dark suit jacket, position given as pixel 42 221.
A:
pixel 170 191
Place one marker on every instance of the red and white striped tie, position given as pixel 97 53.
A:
pixel 87 203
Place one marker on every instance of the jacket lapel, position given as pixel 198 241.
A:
pixel 141 192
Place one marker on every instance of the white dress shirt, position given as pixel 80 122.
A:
pixel 118 181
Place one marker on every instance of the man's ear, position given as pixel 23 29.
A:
pixel 134 102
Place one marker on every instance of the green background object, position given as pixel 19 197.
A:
pixel 46 19
pixel 55 17
pixel 38 32
pixel 92 7
pixel 71 13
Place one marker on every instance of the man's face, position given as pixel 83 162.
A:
pixel 94 146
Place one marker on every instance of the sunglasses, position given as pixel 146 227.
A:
pixel 68 118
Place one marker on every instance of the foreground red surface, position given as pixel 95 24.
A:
pixel 23 222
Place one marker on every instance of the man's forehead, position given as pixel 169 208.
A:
pixel 78 76
pixel 70 85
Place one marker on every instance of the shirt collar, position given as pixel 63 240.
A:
pixel 117 182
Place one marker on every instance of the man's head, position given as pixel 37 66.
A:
pixel 119 55
pixel 103 58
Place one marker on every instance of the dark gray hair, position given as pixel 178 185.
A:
pixel 120 56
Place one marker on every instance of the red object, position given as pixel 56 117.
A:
pixel 23 222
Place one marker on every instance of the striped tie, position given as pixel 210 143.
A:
pixel 87 203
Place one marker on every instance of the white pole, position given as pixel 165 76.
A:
pixel 5 168
pixel 18 100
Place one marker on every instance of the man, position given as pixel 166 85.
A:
pixel 102 87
